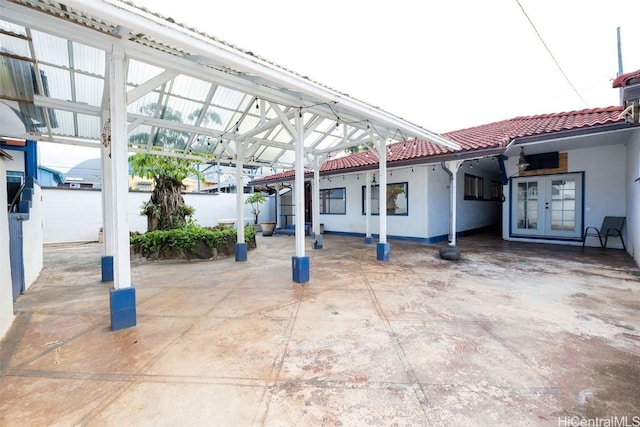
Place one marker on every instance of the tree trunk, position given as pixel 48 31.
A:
pixel 169 210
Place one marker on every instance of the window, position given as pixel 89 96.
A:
pixel 473 187
pixel 397 199
pixel 496 190
pixel 333 201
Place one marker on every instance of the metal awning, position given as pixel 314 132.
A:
pixel 188 94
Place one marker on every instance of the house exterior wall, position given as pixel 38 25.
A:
pixel 632 181
pixel 604 188
pixel 17 161
pixel 428 204
pixel 475 214
pixel 33 239
pixel 71 215
pixel 6 293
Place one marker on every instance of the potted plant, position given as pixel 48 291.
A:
pixel 255 200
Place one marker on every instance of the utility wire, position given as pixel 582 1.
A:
pixel 551 54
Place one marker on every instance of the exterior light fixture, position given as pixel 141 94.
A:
pixel 522 162
pixel 373 181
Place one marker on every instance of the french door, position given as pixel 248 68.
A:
pixel 548 206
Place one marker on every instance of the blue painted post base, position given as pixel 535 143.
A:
pixel 107 268
pixel 318 242
pixel 300 267
pixel 123 308
pixel 382 252
pixel 241 251
pixel 368 240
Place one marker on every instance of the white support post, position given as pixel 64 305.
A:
pixel 300 262
pixel 122 301
pixel 368 239
pixel 383 248
pixel 317 244
pixel 299 186
pixel 382 190
pixel 107 191
pixel 240 194
pixel 241 246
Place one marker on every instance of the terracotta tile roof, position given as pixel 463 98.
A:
pixel 493 135
pixel 627 79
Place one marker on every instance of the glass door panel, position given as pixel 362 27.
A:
pixel 527 205
pixel 547 206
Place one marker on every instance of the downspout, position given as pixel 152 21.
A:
pixel 451 252
pixel 452 209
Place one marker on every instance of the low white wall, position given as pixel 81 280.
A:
pixel 76 215
pixel 633 196
pixel 6 293
pixel 32 242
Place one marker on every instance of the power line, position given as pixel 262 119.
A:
pixel 551 54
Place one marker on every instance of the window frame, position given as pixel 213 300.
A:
pixel 375 197
pixel 473 187
pixel 323 200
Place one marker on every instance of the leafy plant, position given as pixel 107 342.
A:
pixel 255 200
pixel 166 209
pixel 186 238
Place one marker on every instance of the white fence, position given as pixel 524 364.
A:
pixel 74 215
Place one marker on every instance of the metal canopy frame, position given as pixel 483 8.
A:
pixel 187 94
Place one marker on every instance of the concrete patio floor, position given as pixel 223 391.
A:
pixel 512 334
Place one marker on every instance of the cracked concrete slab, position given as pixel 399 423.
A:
pixel 511 334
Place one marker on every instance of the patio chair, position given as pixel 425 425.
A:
pixel 611 226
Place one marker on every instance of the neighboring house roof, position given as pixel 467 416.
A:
pixel 58 177
pixel 493 136
pixel 624 80
pixel 89 171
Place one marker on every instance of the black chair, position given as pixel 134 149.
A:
pixel 611 226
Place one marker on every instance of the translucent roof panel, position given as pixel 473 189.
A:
pixel 14 46
pixel 187 93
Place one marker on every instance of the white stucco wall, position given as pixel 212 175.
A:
pixel 354 220
pixel 76 215
pixel 428 204
pixel 6 297
pixel 632 180
pixel 17 161
pixel 474 214
pixel 604 188
pixel 33 240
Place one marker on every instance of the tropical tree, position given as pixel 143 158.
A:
pixel 255 200
pixel 166 208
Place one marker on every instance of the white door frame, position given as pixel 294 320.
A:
pixel 543 221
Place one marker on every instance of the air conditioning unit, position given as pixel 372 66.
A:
pixel 631 94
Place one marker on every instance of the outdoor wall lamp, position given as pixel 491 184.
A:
pixel 522 162
pixel 373 181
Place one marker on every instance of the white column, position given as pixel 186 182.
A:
pixel 316 196
pixel 382 190
pixel 105 167
pixel 107 187
pixel 299 186
pixel 240 192
pixel 367 204
pixel 119 171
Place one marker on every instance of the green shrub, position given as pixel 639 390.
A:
pixel 187 238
